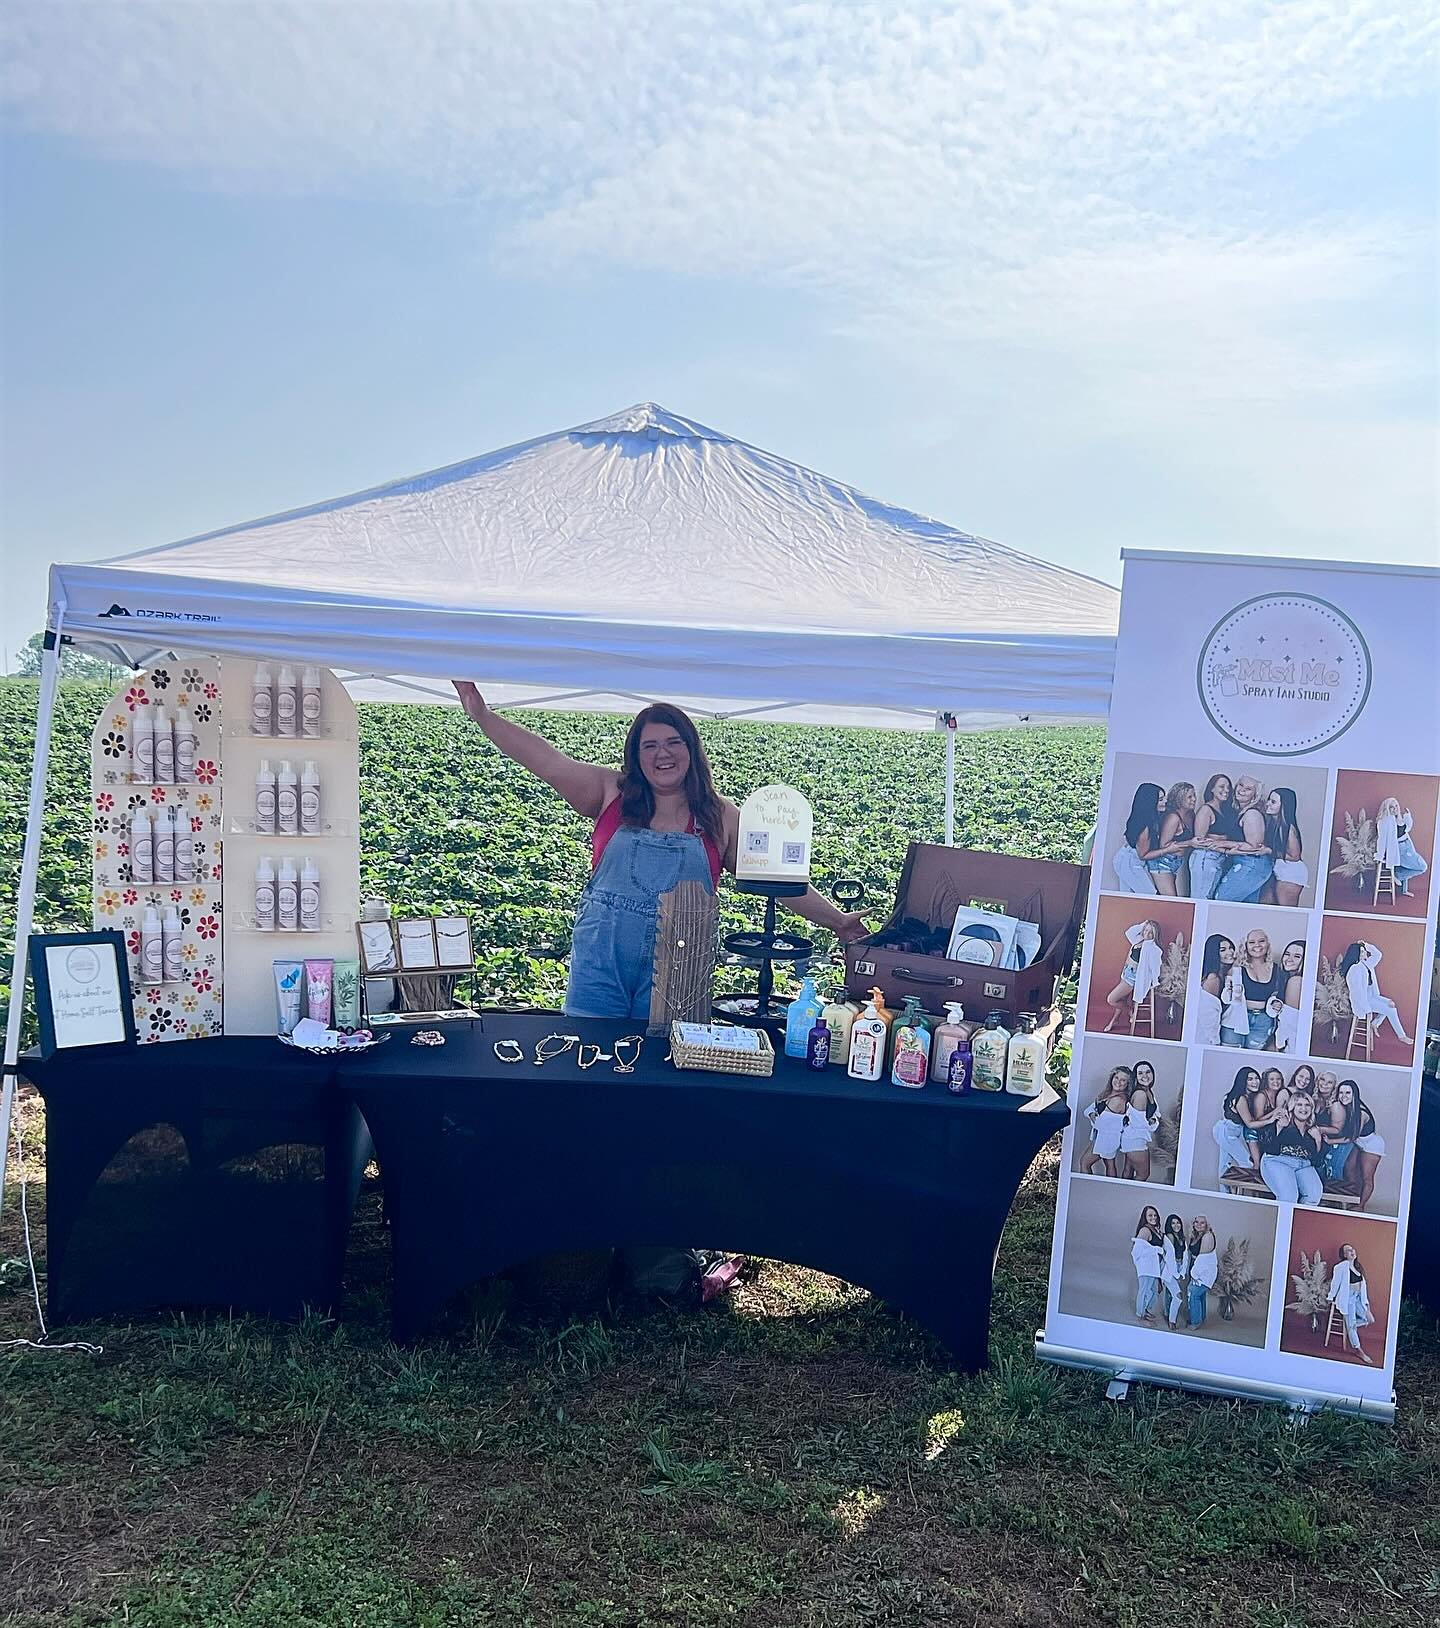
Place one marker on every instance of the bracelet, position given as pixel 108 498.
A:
pixel 519 1056
pixel 636 1040
pixel 596 1055
pixel 566 1042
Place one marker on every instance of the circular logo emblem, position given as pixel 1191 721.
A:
pixel 1284 674
pixel 83 964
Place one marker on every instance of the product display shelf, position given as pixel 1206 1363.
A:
pixel 242 825
pixel 244 922
pixel 280 745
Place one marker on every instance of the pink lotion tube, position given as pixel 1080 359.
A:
pixel 319 981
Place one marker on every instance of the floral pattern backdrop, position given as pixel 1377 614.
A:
pixel 190 1008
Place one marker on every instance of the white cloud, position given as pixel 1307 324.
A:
pixel 1064 191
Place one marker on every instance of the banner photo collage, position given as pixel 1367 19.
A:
pixel 1246 1071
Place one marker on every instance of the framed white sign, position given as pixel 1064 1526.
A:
pixel 82 991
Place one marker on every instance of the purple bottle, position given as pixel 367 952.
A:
pixel 961 1063
pixel 817 1046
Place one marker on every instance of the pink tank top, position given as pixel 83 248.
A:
pixel 609 823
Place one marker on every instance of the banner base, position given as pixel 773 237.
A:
pixel 1130 1370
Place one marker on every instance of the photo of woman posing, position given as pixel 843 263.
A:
pixel 1142 1120
pixel 1367 1000
pixel 1395 844
pixel 1107 1124
pixel 1219 1002
pixel 1217 831
pixel 1172 1267
pixel 1287 1024
pixel 1290 874
pixel 1252 862
pixel 1203 1267
pixel 1146 862
pixel 1350 1296
pixel 1263 982
pixel 1291 1153
pixel 1140 973
pixel 1354 1146
pixel 1146 1255
pixel 1244 1115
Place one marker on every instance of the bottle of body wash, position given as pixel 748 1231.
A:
pixel 165 844
pixel 800 1017
pixel 262 702
pixel 310 703
pixel 187 747
pixel 989 1048
pixel 152 948
pixel 287 898
pixel 309 897
pixel 164 748
pixel 961 1069
pixel 945 1039
pixel 867 1045
pixel 817 1046
pixel 142 847
pixel 882 1011
pixel 265 797
pixel 840 1014
pixel 170 944
pixel 911 1059
pixel 265 897
pixel 287 801
pixel 287 705
pixel 1025 1060
pixel 142 747
pixel 310 799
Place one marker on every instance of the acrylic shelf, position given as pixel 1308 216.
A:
pixel 243 921
pixel 325 732
pixel 243 825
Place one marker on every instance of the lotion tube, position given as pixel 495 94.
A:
pixel 319 986
pixel 289 986
pixel 347 994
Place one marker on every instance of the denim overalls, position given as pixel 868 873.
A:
pixel 612 956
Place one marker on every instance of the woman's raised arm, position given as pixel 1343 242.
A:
pixel 585 786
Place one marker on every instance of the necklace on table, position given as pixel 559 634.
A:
pixel 621 1065
pixel 544 1051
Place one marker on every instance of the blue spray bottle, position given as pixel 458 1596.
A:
pixel 800 1016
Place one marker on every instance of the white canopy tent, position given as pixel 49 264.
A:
pixel 639 557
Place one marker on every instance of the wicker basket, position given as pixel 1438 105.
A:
pixel 716 1060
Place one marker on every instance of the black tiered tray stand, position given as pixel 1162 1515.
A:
pixel 769 946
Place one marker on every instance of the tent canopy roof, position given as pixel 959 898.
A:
pixel 643 554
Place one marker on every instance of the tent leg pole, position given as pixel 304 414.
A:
pixel 949 788
pixel 29 867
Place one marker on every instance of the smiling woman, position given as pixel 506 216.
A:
pixel 659 821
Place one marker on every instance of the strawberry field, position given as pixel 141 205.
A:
pixel 448 825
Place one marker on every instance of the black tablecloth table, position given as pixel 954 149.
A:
pixel 215 1173
pixel 488 1164
pixel 1422 1239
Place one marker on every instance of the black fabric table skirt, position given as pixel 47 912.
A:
pixel 488 1164
pixel 1422 1240
pixel 209 1173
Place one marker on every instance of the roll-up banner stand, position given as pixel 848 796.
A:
pixel 1249 1038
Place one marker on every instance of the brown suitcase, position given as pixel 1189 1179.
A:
pixel 935 883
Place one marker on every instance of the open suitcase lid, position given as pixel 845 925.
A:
pixel 937 881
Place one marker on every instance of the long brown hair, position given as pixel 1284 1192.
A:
pixel 637 800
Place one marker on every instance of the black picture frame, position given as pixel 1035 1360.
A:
pixel 40 946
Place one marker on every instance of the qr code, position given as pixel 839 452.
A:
pixel 793 854
pixel 757 842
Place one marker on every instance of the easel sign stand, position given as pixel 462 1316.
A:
pixel 1234 879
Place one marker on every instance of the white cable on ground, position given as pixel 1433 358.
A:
pixel 43 1343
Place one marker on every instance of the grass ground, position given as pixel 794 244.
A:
pixel 799 1457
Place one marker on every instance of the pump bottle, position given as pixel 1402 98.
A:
pixel 287 801
pixel 142 747
pixel 142 847
pixel 265 897
pixel 310 703
pixel 262 702
pixel 287 705
pixel 945 1040
pixel 989 1048
pixel 911 1060
pixel 187 746
pixel 184 847
pixel 287 898
pixel 839 1015
pixel 800 1017
pixel 265 797
pixel 165 844
pixel 867 1044
pixel 170 945
pixel 164 748
pixel 152 948
pixel 310 799
pixel 309 897
pixel 1025 1060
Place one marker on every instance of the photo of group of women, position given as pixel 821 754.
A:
pixel 1381 842
pixel 1309 1132
pixel 1127 1104
pixel 1369 974
pixel 1244 833
pixel 1338 1280
pixel 1250 978
pixel 1140 968
pixel 1191 1264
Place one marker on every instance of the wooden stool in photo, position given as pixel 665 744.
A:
pixel 1335 1324
pixel 1143 1011
pixel 1359 1028
pixel 1384 881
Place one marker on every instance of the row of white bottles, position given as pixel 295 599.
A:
pixel 162 849
pixel 163 749
pixel 290 902
pixel 284 805
pixel 160 945
pixel 284 708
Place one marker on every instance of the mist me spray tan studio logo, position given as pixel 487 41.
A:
pixel 1284 674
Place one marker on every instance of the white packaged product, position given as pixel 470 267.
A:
pixel 142 747
pixel 265 797
pixel 165 844
pixel 287 898
pixel 309 898
pixel 262 702
pixel 171 938
pixel 310 700
pixel 164 749
pixel 152 948
pixel 187 747
pixel 142 847
pixel 287 801
pixel 184 847
pixel 265 897
pixel 287 704
pixel 310 799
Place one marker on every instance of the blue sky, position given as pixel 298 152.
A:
pixel 1076 277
